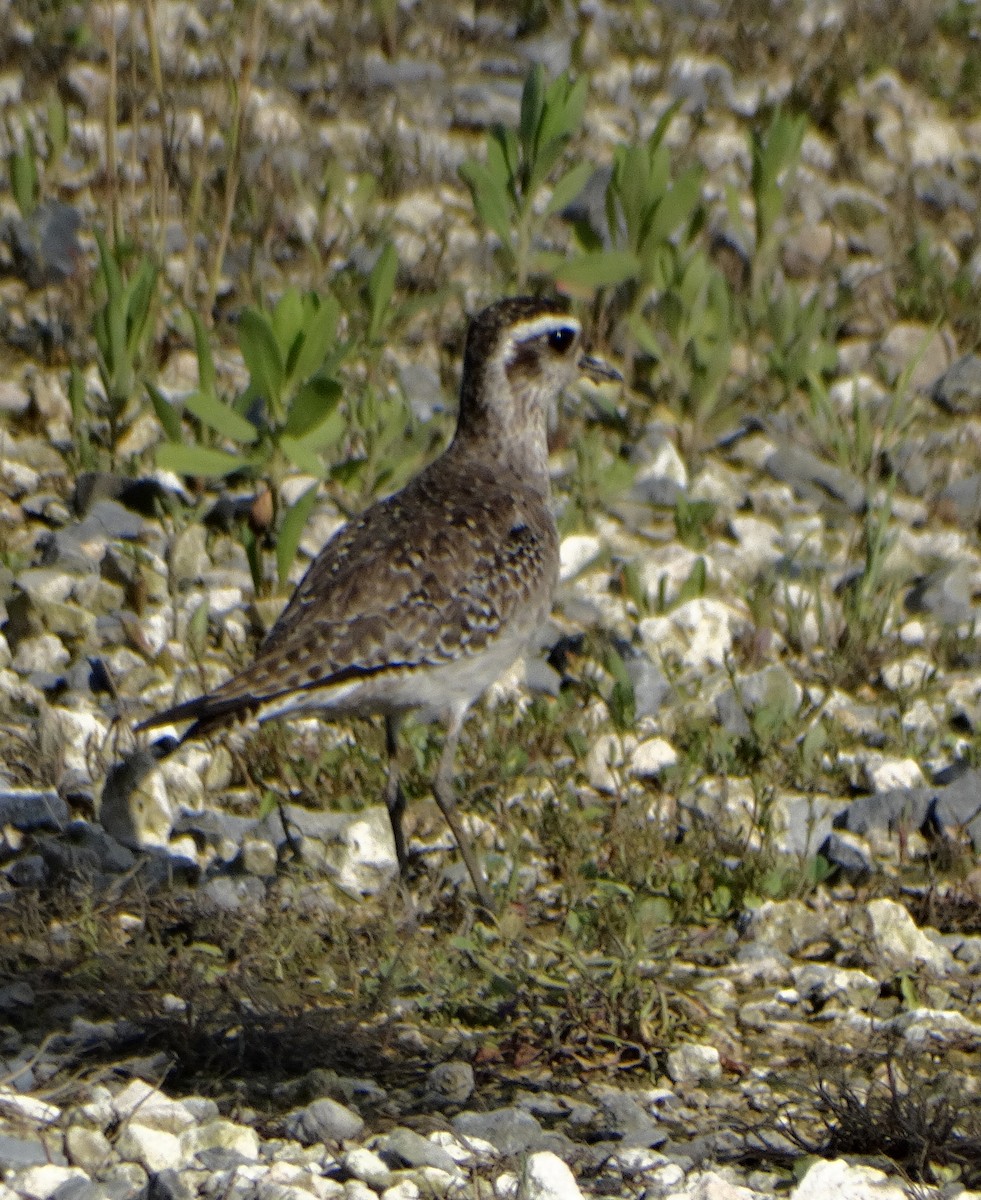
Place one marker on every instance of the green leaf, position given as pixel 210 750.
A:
pixel 23 176
pixel 220 417
pixel 303 452
pixel 291 531
pixel 569 187
pixel 197 628
pixel 207 379
pixel 262 356
pixel 600 269
pixel 532 104
pixel 287 320
pixel 315 401
pixel 490 200
pixel 199 460
pixel 319 335
pixel 381 285
pixel 678 204
pixel 167 414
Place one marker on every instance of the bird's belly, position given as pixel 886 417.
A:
pixel 432 690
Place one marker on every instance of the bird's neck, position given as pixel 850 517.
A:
pixel 506 425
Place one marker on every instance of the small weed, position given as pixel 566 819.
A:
pixel 126 289
pixel 281 422
pixel 896 1107
pixel 506 186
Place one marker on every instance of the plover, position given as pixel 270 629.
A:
pixel 422 601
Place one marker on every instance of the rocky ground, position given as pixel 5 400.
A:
pixel 732 812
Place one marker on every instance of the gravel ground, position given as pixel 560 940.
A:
pixel 859 991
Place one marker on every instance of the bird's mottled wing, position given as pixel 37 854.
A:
pixel 432 574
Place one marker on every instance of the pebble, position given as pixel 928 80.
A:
pixel 323 1120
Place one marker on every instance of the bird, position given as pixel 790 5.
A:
pixel 422 601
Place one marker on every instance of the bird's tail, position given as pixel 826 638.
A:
pixel 210 711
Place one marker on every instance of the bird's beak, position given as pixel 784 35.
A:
pixel 598 370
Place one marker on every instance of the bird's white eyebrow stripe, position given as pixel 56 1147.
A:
pixel 524 331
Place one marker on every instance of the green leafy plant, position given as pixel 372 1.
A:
pixel 122 326
pixel 678 306
pixel 22 169
pixel 505 187
pixel 283 420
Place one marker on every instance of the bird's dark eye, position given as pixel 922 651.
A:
pixel 561 339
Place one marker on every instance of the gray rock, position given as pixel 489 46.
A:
pixel 945 594
pixel 814 479
pixel 322 1120
pixel 888 812
pixel 235 893
pixel 172 1185
pixel 849 854
pixel 30 809
pixel 451 1082
pixel 897 939
pixel 785 925
pixel 402 1147
pixel 690 1065
pixel 511 1131
pixel 85 849
pixel 30 871
pixel 958 390
pixel 962 499
pixel 651 688
pixel 628 1123
pixel 21 1151
pixel 82 545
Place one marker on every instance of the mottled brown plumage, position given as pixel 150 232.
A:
pixel 424 599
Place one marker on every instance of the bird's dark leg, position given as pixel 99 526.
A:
pixel 394 796
pixel 443 790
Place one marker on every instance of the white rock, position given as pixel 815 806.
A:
pixel 363 855
pixel 185 788
pixel 476 1150
pixel 708 1185
pixel 664 462
pixel 87 1148
pixel 221 1135
pixel 81 734
pixel 547 1177
pixel 355 1189
pixel 933 1028
pixel 17 480
pixel 845 1181
pixel 664 571
pixel 154 1109
pixel 42 653
pixel 154 1149
pixel 576 552
pixel 908 674
pixel 693 1064
pixel 405 1189
pixel 889 773
pixel 652 757
pixel 899 941
pixel 367 1166
pixel 701 632
pixel 13 1104
pixel 506 1186
pixel 38 1183
pixel 605 761
pixel 759 542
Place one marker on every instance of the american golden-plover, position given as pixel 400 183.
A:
pixel 422 601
